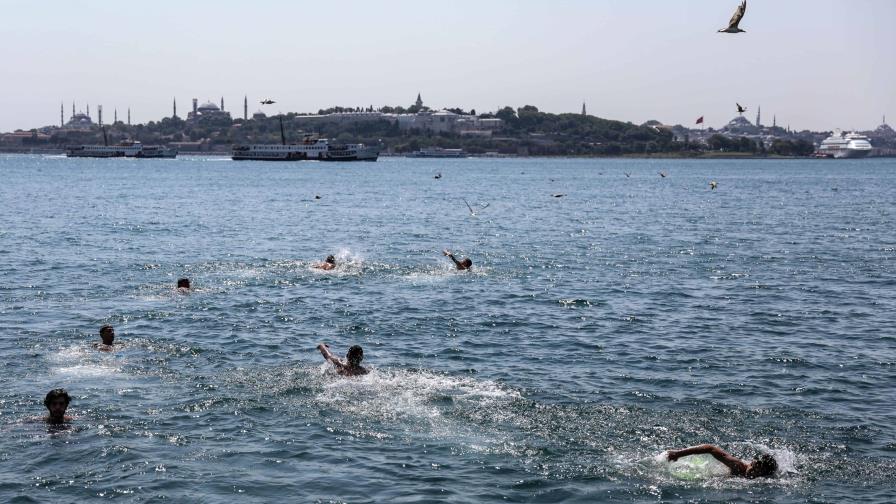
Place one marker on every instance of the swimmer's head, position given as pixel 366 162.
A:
pixel 183 283
pixel 107 334
pixel 57 401
pixel 763 466
pixel 355 355
pixel 331 259
pixel 466 263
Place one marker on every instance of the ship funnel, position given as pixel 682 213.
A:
pixel 282 135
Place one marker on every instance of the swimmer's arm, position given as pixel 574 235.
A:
pixel 325 351
pixel 734 464
pixel 451 256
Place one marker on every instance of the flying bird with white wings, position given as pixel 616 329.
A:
pixel 734 24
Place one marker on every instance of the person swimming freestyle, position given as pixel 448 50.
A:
pixel 463 265
pixel 352 365
pixel 328 264
pixel 762 466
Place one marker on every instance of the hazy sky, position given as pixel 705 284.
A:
pixel 818 64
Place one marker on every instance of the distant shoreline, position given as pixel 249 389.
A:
pixel 665 155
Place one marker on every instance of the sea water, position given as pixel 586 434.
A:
pixel 631 315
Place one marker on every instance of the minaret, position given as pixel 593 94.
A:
pixel 61 114
pixel 129 116
pixel 99 111
pixel 246 108
pixel 115 115
pixel 88 110
pixel 174 108
pixel 759 117
pixel 774 121
pixel 195 105
pixel 584 113
pixel 73 110
pixel 222 104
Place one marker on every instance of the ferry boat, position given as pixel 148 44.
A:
pixel 351 152
pixel 438 152
pixel 309 148
pixel 124 149
pixel 840 146
pixel 128 148
pixel 157 151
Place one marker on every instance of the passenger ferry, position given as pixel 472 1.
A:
pixel 351 152
pixel 124 149
pixel 309 148
pixel 438 152
pixel 841 146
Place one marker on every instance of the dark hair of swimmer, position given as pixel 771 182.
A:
pixel 57 401
pixel 330 259
pixel 107 334
pixel 466 263
pixel 762 466
pixel 183 283
pixel 355 355
pixel 55 394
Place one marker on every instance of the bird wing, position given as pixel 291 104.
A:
pixel 468 206
pixel 738 15
pixel 485 205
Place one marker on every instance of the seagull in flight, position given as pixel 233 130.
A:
pixel 663 174
pixel 713 184
pixel 735 19
pixel 268 102
pixel 438 176
pixel 627 174
pixel 740 109
pixel 473 212
pixel 558 195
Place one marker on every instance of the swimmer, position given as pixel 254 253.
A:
pixel 183 284
pixel 352 366
pixel 57 401
pixel 461 265
pixel 328 264
pixel 762 466
pixel 107 335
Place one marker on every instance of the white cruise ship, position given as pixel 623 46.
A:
pixel 840 145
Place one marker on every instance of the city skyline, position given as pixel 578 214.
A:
pixel 810 64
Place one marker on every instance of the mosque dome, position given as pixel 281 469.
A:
pixel 208 107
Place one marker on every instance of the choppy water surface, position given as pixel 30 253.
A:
pixel 632 315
